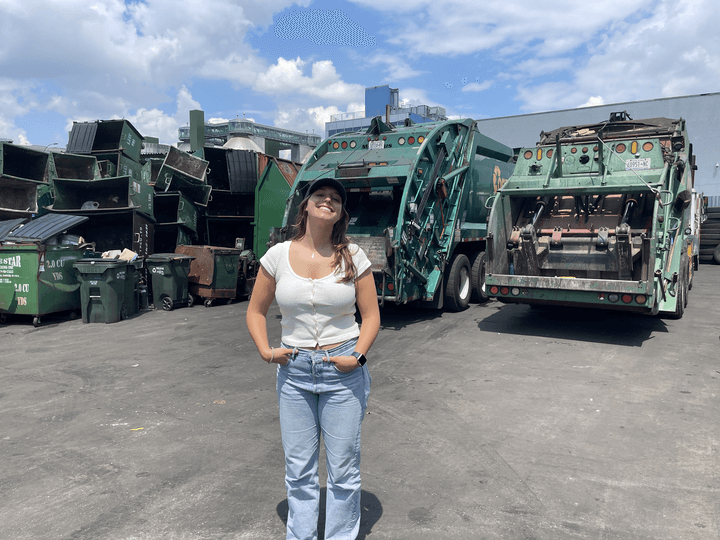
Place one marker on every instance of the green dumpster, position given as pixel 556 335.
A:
pixel 36 267
pixel 213 272
pixel 169 273
pixel 109 289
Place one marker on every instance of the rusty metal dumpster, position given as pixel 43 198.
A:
pixel 213 273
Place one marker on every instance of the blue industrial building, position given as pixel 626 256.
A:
pixel 382 101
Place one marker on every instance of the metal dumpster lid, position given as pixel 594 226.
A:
pixel 44 228
pixel 6 227
pixel 166 257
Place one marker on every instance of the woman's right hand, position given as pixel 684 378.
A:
pixel 279 355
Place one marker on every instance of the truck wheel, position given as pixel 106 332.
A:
pixel 679 302
pixel 686 277
pixel 478 279
pixel 716 255
pixel 458 286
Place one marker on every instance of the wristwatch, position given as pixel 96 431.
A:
pixel 360 357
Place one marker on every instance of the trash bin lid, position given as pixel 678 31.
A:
pixel 6 227
pixel 167 257
pixel 44 228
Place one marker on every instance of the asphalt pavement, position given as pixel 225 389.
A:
pixel 499 422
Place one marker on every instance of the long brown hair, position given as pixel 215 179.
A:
pixel 340 240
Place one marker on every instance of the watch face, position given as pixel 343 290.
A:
pixel 360 358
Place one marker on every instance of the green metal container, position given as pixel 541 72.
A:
pixel 118 164
pixel 22 162
pixel 175 207
pixel 181 171
pixel 105 136
pixel 37 280
pixel 213 272
pixel 36 258
pixel 76 167
pixel 170 235
pixel 169 273
pixel 109 289
pixel 271 193
pixel 122 192
pixel 18 197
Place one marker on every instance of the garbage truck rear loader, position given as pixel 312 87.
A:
pixel 598 216
pixel 416 197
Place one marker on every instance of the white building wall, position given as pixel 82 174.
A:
pixel 702 113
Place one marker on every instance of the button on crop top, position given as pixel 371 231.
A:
pixel 314 311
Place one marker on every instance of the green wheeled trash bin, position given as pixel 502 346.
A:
pixel 213 273
pixel 109 289
pixel 169 273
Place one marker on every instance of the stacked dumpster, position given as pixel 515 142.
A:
pixel 114 194
pixel 25 176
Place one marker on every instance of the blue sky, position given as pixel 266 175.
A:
pixel 293 64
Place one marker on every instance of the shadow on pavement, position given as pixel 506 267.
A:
pixel 371 512
pixel 597 326
pixel 393 317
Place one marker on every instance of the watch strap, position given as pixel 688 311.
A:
pixel 360 357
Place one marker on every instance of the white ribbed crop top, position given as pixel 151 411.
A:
pixel 314 311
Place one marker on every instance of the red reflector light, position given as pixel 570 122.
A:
pixel 411 140
pixel 344 144
pixel 627 298
pixel 391 286
pixel 493 290
pixel 504 290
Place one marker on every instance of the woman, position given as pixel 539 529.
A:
pixel 317 279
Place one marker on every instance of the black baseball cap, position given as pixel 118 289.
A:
pixel 328 182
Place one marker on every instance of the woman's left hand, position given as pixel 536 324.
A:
pixel 346 364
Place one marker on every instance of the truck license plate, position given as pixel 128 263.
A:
pixel 643 163
pixel 376 145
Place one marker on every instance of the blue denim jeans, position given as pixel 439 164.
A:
pixel 316 398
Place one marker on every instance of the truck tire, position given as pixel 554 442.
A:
pixel 716 255
pixel 680 296
pixel 479 295
pixel 458 286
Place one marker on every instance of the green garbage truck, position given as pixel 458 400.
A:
pixel 598 216
pixel 416 194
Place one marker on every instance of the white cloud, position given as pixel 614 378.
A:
pixel 460 27
pixel 594 101
pixel 287 77
pixel 396 69
pixel 16 99
pixel 674 51
pixel 477 86
pixel 311 119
